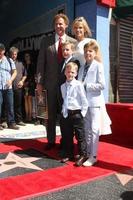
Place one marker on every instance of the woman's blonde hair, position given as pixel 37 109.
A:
pixel 82 20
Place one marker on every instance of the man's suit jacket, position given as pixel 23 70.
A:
pixel 94 83
pixel 47 65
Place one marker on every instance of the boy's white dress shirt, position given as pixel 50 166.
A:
pixel 74 97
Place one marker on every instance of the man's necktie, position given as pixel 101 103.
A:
pixel 60 57
pixel 63 67
pixel 86 67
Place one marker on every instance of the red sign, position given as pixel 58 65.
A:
pixel 109 3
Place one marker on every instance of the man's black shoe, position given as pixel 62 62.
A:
pixel 13 126
pixel 80 161
pixel 62 154
pixel 64 160
pixel 49 146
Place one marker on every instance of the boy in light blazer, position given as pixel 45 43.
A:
pixel 92 76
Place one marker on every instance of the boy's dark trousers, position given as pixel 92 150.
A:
pixel 71 125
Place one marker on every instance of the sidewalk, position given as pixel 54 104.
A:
pixel 30 131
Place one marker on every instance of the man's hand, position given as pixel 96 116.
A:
pixel 20 84
pixel 9 83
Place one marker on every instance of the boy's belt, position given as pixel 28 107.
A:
pixel 73 112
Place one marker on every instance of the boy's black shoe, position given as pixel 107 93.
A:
pixel 80 161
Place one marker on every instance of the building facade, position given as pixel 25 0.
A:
pixel 121 53
pixel 32 20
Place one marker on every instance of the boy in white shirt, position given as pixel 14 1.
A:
pixel 74 109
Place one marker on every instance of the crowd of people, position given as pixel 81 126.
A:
pixel 72 72
pixel 17 88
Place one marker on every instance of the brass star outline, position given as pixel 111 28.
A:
pixel 40 99
pixel 12 161
pixel 124 178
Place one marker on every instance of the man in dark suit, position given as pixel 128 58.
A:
pixel 48 72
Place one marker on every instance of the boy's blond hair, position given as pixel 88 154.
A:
pixel 72 45
pixel 71 65
pixel 95 46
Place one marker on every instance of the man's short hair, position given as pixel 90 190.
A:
pixel 2 46
pixel 63 16
pixel 13 49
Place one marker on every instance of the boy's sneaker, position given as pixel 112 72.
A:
pixel 90 162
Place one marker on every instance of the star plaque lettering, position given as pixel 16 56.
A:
pixel 41 105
